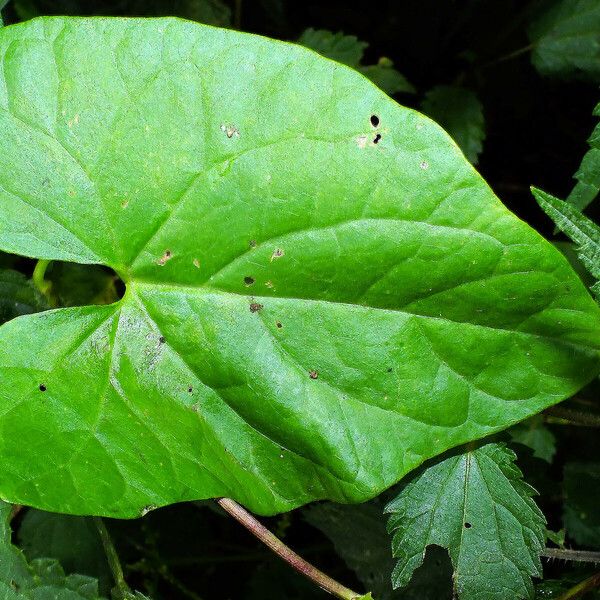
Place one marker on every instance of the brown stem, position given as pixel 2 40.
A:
pixel 582 587
pixel 276 545
pixel 572 555
pixel 574 417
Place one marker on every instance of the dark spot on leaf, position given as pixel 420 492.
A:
pixel 252 243
pixel 377 138
pixel 313 374
pixel 190 389
pixel 389 369
pixel 255 307
pixel 374 120
pixel 468 526
pixel 161 339
pixel 277 253
pixel 248 280
pixel 279 325
pixel 43 388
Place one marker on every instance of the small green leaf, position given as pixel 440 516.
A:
pixel 585 233
pixel 18 296
pixel 349 50
pixel 346 49
pixel 588 174
pixel 566 39
pixel 460 113
pixel 582 497
pixel 535 435
pixel 384 76
pixel 73 541
pixel 42 579
pixel 477 506
pixel 321 292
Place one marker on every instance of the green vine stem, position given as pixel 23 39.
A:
pixel 39 281
pixel 113 560
pixel 582 588
pixel 257 529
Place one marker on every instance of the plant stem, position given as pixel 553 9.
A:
pixel 574 417
pixel 40 283
pixel 113 559
pixel 582 587
pixel 510 56
pixel 276 545
pixel 572 555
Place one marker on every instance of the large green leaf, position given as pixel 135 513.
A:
pixel 321 291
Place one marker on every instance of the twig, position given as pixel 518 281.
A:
pixel 574 417
pixel 582 587
pixel 113 559
pixel 572 555
pixel 276 545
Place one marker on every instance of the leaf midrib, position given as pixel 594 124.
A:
pixel 208 290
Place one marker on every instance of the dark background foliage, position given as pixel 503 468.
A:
pixel 536 130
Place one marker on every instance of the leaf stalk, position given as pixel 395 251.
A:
pixel 303 567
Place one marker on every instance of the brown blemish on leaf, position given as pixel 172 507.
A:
pixel 277 253
pixel 190 390
pixel 313 374
pixel 166 257
pixel 196 263
pixel 424 165
pixel 255 307
pixel 125 204
pixel 42 387
pixel 252 243
pixel 248 281
pixel 278 324
pixel 230 131
pixel 377 138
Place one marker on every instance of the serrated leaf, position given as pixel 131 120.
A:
pixel 359 535
pixel 585 233
pixel 582 495
pixel 42 579
pixel 349 50
pixel 309 314
pixel 476 505
pixel 346 49
pixel 72 541
pixel 535 435
pixel 566 39
pixel 18 296
pixel 588 174
pixel 385 77
pixel 460 113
